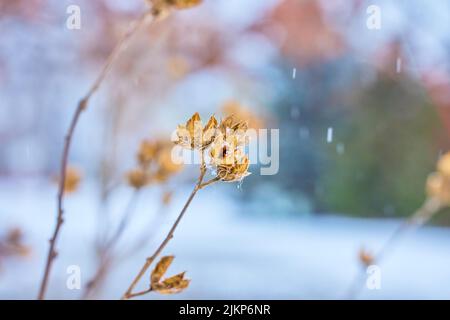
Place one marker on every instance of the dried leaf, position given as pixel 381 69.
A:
pixel 193 135
pixel 209 132
pixel 160 269
pixel 170 285
pixel 162 290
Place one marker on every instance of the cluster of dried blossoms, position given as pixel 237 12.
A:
pixel 173 284
pixel 225 141
pixel 438 184
pixel 154 164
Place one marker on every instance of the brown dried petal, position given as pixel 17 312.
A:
pixel 174 281
pixel 365 257
pixel 164 288
pixel 209 132
pixel 72 181
pixel 160 269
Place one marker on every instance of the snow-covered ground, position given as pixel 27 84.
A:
pixel 226 252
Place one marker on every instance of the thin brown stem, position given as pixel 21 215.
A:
pixel 129 293
pixel 140 293
pixel 106 248
pixel 82 105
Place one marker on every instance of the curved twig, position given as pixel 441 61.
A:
pixel 82 105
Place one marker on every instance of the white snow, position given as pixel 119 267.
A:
pixel 227 253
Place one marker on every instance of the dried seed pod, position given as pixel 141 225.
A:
pixel 171 285
pixel 161 268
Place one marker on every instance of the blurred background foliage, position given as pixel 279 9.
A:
pixel 389 127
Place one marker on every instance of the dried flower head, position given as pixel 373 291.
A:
pixel 171 285
pixel 227 152
pixel 231 166
pixel 234 172
pixel 138 178
pixel 226 142
pixel 193 135
pixel 232 125
pixel 235 129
